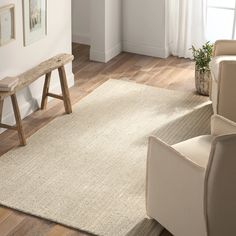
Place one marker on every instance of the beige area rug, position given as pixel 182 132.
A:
pixel 87 170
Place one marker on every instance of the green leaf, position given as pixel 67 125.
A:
pixel 203 56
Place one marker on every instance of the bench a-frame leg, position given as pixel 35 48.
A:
pixel 18 120
pixel 45 91
pixel 65 90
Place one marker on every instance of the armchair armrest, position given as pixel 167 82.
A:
pixel 158 148
pixel 174 185
pixel 222 126
pixel 220 64
pixel 224 47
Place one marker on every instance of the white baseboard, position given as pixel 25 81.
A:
pixel 112 52
pixel 126 46
pixel 147 50
pixel 96 55
pixel 143 49
pixel 28 107
pixel 82 39
pixel 101 56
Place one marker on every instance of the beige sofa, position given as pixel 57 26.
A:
pixel 223 68
pixel 191 186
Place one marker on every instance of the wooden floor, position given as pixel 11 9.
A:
pixel 171 73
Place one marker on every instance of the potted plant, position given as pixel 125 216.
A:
pixel 202 58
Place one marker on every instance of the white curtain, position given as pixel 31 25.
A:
pixel 186 23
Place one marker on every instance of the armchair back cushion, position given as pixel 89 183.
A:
pixel 225 47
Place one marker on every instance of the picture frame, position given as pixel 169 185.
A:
pixel 7 24
pixel 35 20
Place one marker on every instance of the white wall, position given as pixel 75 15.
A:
pixel 97 30
pixel 113 28
pixel 144 27
pixel 105 29
pixel 15 58
pixel 81 21
pixel 137 26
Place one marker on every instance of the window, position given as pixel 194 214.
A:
pixel 221 19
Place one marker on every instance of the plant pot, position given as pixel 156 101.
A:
pixel 202 82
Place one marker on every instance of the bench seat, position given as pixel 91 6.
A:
pixel 38 71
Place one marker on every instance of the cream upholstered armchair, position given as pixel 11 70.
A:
pixel 223 68
pixel 191 186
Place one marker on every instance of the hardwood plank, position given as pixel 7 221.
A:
pixel 31 226
pixel 171 73
pixel 4 213
pixel 58 230
pixel 10 223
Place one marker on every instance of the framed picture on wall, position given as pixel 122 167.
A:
pixel 7 24
pixel 35 20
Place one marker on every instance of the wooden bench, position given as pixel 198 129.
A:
pixel 58 62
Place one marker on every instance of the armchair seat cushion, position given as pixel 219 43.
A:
pixel 196 150
pixel 215 64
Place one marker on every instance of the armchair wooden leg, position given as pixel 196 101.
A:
pixel 65 90
pixel 18 120
pixel 46 90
